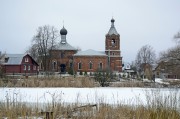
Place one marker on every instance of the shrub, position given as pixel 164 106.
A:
pixel 70 71
pixel 102 76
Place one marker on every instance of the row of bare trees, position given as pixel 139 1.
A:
pixel 172 57
pixel 146 58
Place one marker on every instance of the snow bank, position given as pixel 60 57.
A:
pixel 78 95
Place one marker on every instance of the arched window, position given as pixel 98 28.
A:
pixel 79 65
pixel 90 65
pixel 54 65
pixel 100 65
pixel 113 42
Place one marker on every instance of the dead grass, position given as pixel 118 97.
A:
pixel 158 107
pixel 103 112
pixel 50 82
pixel 127 84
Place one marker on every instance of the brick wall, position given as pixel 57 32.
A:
pixel 61 57
pixel 85 60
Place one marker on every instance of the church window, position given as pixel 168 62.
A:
pixel 80 65
pixel 113 42
pixel 101 66
pixel 54 64
pixel 90 65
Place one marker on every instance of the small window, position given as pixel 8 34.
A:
pixel 24 67
pixel 26 59
pixel 90 65
pixel 80 65
pixel 113 53
pixel 29 67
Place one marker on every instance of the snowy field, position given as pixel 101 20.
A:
pixel 133 96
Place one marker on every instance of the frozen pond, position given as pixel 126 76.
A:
pixel 85 95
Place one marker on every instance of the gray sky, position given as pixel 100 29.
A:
pixel 139 22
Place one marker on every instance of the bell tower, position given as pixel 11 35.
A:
pixel 112 48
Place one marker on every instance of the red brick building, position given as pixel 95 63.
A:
pixel 65 57
pixel 19 64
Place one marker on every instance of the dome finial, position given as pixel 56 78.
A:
pixel 112 20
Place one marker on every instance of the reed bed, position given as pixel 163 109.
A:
pixel 158 106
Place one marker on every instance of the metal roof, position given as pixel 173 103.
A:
pixel 14 59
pixel 112 30
pixel 90 52
pixel 64 46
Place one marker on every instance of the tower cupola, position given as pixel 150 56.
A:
pixel 112 29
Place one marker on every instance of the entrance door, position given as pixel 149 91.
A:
pixel 63 68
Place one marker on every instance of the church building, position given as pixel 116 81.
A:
pixel 65 57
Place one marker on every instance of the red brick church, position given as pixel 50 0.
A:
pixel 65 57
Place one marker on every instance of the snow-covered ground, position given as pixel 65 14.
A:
pixel 157 80
pixel 83 95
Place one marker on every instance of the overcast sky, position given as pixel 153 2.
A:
pixel 139 22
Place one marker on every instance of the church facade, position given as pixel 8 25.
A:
pixel 65 57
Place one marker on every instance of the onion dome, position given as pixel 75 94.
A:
pixel 63 31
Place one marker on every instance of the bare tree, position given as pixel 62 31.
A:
pixel 2 56
pixel 145 56
pixel 42 42
pixel 172 59
pixel 33 51
pixel 177 37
